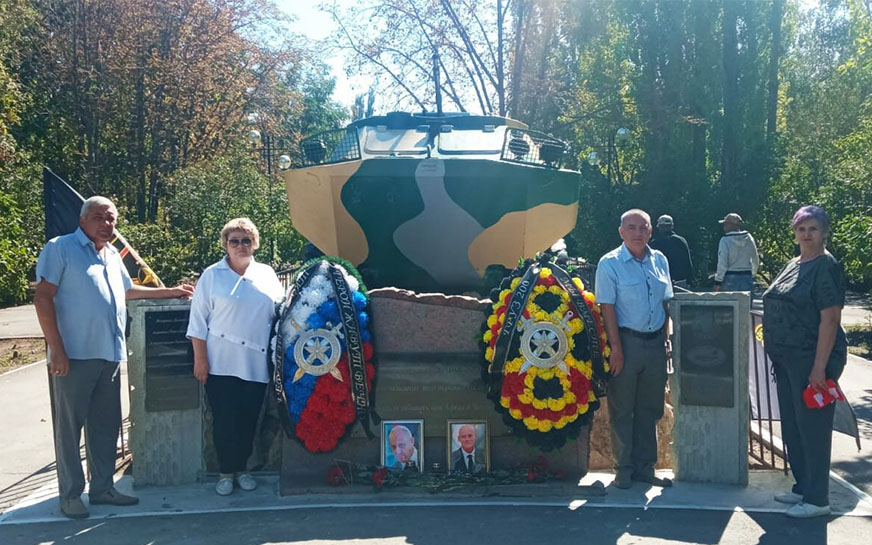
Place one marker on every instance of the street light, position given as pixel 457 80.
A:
pixel 593 159
pixel 263 144
pixel 610 148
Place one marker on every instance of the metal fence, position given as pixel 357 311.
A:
pixel 330 147
pixel 764 446
pixel 532 148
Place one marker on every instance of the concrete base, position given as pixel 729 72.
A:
pixel 757 497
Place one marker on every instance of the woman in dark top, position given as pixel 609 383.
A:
pixel 807 345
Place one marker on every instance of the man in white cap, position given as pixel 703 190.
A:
pixel 675 248
pixel 737 257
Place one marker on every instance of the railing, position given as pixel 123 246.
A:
pixel 764 447
pixel 532 148
pixel 286 276
pixel 336 146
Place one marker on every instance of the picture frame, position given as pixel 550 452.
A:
pixel 457 446
pixel 407 451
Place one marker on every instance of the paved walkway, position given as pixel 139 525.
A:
pixel 19 322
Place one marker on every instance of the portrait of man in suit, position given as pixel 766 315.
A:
pixel 469 447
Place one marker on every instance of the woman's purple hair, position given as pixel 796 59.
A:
pixel 811 212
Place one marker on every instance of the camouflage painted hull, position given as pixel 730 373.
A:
pixel 431 224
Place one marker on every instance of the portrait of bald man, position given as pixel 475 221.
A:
pixel 401 451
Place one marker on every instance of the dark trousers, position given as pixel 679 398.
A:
pixel 808 433
pixel 235 405
pixel 636 399
pixel 90 397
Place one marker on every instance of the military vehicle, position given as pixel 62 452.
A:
pixel 428 201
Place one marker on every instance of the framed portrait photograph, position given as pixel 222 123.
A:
pixel 402 445
pixel 468 446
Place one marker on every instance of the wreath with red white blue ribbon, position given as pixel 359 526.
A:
pixel 324 368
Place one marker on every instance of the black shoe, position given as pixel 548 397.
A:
pixel 622 480
pixel 653 480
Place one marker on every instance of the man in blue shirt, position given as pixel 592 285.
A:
pixel 80 294
pixel 633 289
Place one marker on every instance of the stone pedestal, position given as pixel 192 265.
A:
pixel 428 367
pixel 166 404
pixel 601 439
pixel 710 386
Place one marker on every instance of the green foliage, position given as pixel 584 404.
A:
pixel 15 259
pixel 205 196
pixel 169 253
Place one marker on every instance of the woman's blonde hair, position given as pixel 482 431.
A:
pixel 244 225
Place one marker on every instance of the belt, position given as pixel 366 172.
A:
pixel 640 335
pixel 748 273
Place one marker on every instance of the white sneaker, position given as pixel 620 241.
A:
pixel 246 481
pixel 804 510
pixel 791 498
pixel 224 486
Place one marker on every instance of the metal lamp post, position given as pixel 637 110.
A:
pixel 264 145
pixel 618 139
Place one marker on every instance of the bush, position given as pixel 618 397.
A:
pixel 15 258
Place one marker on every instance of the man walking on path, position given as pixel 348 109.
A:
pixel 80 294
pixel 633 289
pixel 737 257
pixel 675 248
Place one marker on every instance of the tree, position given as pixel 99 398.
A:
pixel 468 38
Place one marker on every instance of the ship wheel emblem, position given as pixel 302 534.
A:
pixel 317 352
pixel 544 344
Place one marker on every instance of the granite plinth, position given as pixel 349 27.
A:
pixel 429 367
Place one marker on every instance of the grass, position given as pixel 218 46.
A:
pixel 15 353
pixel 860 340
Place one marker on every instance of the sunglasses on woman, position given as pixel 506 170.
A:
pixel 234 242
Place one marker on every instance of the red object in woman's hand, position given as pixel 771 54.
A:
pixel 817 400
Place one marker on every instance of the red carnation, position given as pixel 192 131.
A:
pixel 335 476
pixel 379 476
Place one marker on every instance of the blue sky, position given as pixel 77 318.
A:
pixel 317 25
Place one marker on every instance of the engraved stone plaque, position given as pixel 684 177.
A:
pixel 707 345
pixel 435 387
pixel 169 363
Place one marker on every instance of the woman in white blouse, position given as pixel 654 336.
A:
pixel 231 314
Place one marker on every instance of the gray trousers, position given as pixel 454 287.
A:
pixel 808 433
pixel 89 396
pixel 636 398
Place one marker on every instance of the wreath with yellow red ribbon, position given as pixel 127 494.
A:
pixel 546 358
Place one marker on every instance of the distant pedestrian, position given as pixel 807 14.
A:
pixel 80 294
pixel 675 248
pixel 737 257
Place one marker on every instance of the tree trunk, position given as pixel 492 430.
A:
pixel 518 67
pixel 774 59
pixel 731 101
